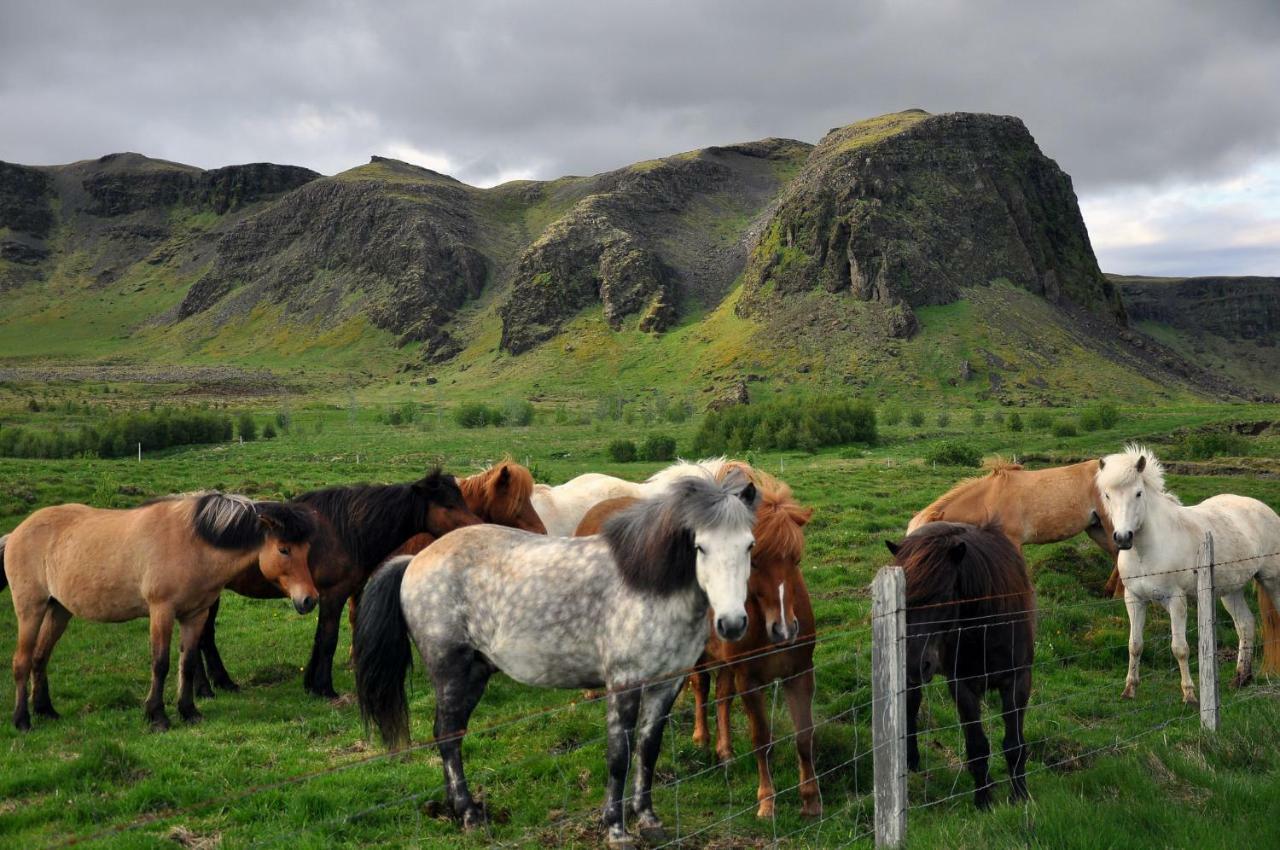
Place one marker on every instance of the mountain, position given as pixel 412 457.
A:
pixel 857 262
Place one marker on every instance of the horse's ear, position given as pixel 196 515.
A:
pixel 1102 463
pixel 958 551
pixel 504 476
pixel 802 516
pixel 892 547
pixel 270 524
pixel 748 495
pixel 1142 463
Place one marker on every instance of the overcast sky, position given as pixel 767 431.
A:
pixel 1166 114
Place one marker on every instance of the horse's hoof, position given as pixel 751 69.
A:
pixel 1241 681
pixel 811 809
pixel 160 723
pixel 205 692
pixel 22 724
pixel 622 842
pixel 701 739
pixel 766 809
pixel 724 757
pixel 323 693
pixel 1190 699
pixel 48 711
pixel 1129 692
pixel 227 685
pixel 654 834
pixel 472 818
pixel 191 716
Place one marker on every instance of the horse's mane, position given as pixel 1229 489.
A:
pixel 1122 469
pixel 780 520
pixel 989 578
pixel 371 520
pixel 482 488
pixel 652 540
pixel 996 466
pixel 998 463
pixel 230 521
pixel 709 468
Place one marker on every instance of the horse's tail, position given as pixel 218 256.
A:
pixel 4 579
pixel 1270 631
pixel 383 654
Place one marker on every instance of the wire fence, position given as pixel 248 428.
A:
pixel 863 783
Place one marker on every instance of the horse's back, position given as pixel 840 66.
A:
pixel 1242 527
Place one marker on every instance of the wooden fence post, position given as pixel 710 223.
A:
pixel 889 704
pixel 1206 628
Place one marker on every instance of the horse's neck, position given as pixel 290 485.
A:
pixel 1061 506
pixel 1167 530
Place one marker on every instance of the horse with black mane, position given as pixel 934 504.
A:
pixel 358 526
pixel 970 616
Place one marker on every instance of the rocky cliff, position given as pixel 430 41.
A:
pixel 1238 308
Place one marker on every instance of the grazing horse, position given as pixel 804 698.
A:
pixel 358 526
pixel 625 610
pixel 1159 542
pixel 564 506
pixel 1032 506
pixel 970 615
pixel 167 560
pixel 778 614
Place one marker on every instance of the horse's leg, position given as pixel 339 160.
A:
pixel 1242 616
pixel 761 741
pixel 352 604
pixel 655 708
pixel 55 623
pixel 459 676
pixel 977 749
pixel 189 633
pixel 1177 606
pixel 624 706
pixel 30 620
pixel 161 633
pixel 318 678
pixel 218 674
pixel 700 684
pixel 1137 618
pixel 1014 694
pixel 915 695
pixel 724 714
pixel 799 692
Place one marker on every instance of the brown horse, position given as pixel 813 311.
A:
pixel 1032 506
pixel 779 614
pixel 357 527
pixel 166 560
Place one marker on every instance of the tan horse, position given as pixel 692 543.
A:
pixel 1032 506
pixel 779 614
pixel 167 560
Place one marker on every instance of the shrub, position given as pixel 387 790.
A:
pixel 786 424
pixel 517 412
pixel 118 436
pixel 979 419
pixel 283 420
pixel 247 428
pixel 1211 445
pixel 891 415
pixel 944 419
pixel 658 447
pixel 915 419
pixel 998 417
pixel 269 431
pixel 622 451
pixel 1040 420
pixel 1098 417
pixel 477 415
pixel 1064 429
pixel 1015 421
pixel 953 453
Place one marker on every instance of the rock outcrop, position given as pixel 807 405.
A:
pixel 1237 308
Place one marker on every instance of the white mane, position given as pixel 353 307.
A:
pixel 1118 470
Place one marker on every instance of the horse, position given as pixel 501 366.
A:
pixel 358 526
pixel 1159 541
pixel 624 610
pixel 563 507
pixel 970 614
pixel 167 559
pixel 1032 506
pixel 778 614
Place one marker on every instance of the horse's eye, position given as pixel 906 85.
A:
pixel 1139 494
pixel 1107 496
pixel 751 545
pixel 283 550
pixel 699 548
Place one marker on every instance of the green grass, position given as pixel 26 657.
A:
pixel 543 777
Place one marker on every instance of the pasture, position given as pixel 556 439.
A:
pixel 270 766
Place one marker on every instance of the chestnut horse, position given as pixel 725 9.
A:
pixel 1032 506
pixel 167 560
pixel 779 614
pixel 358 526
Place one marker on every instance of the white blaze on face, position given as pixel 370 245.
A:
pixel 724 564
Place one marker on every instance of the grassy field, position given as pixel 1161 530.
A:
pixel 272 767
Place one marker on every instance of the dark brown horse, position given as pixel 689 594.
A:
pixel 358 526
pixel 970 616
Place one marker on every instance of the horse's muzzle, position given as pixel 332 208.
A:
pixel 731 628
pixel 1123 540
pixel 305 605
pixel 779 633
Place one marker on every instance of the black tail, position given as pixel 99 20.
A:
pixel 383 654
pixel 4 579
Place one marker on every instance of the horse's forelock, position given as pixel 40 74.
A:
pixel 293 523
pixel 780 520
pixel 1121 469
pixel 991 576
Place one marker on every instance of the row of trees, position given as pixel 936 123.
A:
pixel 785 424
pixel 119 435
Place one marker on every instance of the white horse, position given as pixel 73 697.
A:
pixel 624 609
pixel 562 507
pixel 1159 543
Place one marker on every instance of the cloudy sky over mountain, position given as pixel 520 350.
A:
pixel 1166 117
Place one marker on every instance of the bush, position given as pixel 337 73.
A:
pixel 1211 445
pixel 944 419
pixel 1040 420
pixel 269 431
pixel 118 436
pixel 283 420
pixel 1064 429
pixel 658 447
pixel 915 419
pixel 517 411
pixel 785 425
pixel 477 415
pixel 953 453
pixel 891 415
pixel 979 419
pixel 998 417
pixel 1098 417
pixel 247 428
pixel 1015 421
pixel 622 451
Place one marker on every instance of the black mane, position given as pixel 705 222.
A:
pixel 372 520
